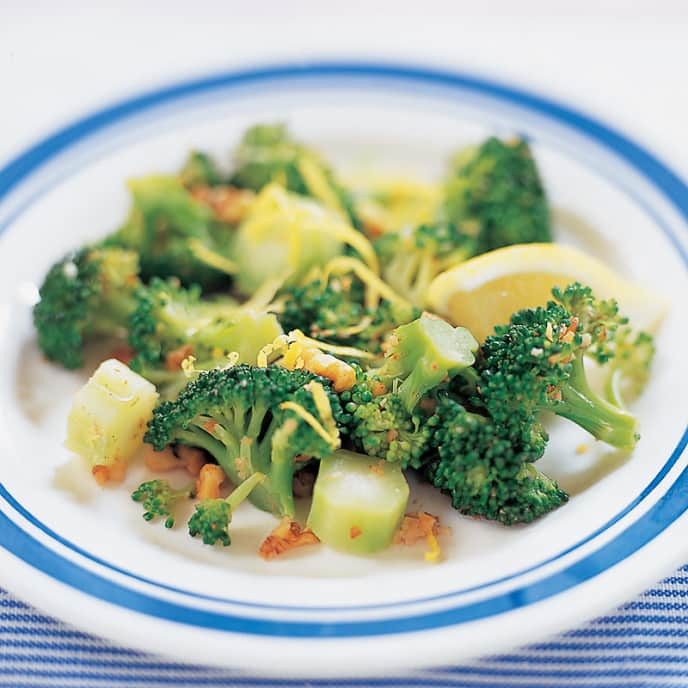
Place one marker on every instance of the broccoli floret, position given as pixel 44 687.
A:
pixel 335 312
pixel 424 353
pixel 199 169
pixel 630 365
pixel 486 470
pixel 383 427
pixel 495 196
pixel 86 294
pixel 169 320
pixel 212 517
pixel 267 153
pixel 253 420
pixel 536 363
pixel 159 499
pixel 412 257
pixel 174 234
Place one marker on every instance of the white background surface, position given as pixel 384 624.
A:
pixel 622 60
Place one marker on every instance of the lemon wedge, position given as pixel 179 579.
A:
pixel 485 291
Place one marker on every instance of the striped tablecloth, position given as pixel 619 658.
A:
pixel 644 643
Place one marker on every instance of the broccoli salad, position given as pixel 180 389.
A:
pixel 276 343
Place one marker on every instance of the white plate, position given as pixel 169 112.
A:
pixel 85 554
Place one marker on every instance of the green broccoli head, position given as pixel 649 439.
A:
pixel 335 312
pixel 174 234
pixel 170 320
pixel 383 427
pixel 267 153
pixel 199 169
pixel 536 363
pixel 486 470
pixel 629 369
pixel 495 196
pixel 252 420
pixel 212 517
pixel 86 294
pixel 412 257
pixel 423 354
pixel 159 499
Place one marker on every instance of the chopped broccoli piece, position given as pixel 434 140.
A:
pixel 159 499
pixel 358 504
pixel 171 323
pixel 495 196
pixel 86 294
pixel 486 470
pixel 536 363
pixel 212 517
pixel 335 312
pixel 412 257
pixel 284 235
pixel 267 153
pixel 199 170
pixel 630 365
pixel 424 353
pixel 384 427
pixel 175 235
pixel 253 420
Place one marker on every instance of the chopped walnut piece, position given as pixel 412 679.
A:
pixel 286 536
pixel 209 481
pixel 114 473
pixel 192 458
pixel 378 388
pixel 160 461
pixel 416 526
pixel 174 359
pixel 227 202
pixel 123 353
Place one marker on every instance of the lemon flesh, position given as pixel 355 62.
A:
pixel 484 291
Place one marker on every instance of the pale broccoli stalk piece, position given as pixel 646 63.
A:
pixel 285 236
pixel 423 354
pixel 109 415
pixel 358 502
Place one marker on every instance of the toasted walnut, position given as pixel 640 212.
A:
pixel 209 481
pixel 286 536
pixel 174 359
pixel 114 473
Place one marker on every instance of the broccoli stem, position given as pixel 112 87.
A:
pixel 612 389
pixel 243 490
pixel 600 418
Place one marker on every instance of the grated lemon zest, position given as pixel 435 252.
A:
pixel 434 553
pixel 317 183
pixel 322 404
pixel 376 286
pixel 187 365
pixel 212 258
pixel 311 420
pixel 349 351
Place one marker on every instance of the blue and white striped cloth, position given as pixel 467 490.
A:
pixel 645 643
